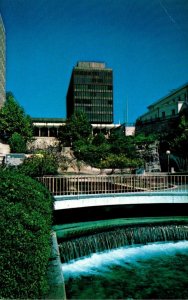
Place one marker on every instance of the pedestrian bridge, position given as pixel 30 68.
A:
pixel 96 200
pixel 96 191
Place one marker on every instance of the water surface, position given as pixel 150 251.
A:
pixel 153 271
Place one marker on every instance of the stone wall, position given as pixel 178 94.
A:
pixel 43 143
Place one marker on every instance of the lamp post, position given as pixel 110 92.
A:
pixel 168 156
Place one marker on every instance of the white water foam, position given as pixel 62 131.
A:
pixel 99 263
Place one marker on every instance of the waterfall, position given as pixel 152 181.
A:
pixel 86 245
pixel 180 161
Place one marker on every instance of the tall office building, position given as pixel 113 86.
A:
pixel 91 91
pixel 2 63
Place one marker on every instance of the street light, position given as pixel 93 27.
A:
pixel 168 155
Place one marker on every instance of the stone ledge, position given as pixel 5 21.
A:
pixel 55 275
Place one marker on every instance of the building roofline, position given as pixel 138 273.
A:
pixel 48 120
pixel 91 61
pixel 97 65
pixel 174 91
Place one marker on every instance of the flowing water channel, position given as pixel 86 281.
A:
pixel 153 271
pixel 118 237
pixel 138 261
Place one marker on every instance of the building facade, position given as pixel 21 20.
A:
pixel 49 127
pixel 46 131
pixel 91 91
pixel 2 62
pixel 162 113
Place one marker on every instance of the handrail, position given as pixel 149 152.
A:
pixel 107 184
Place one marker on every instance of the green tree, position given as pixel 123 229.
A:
pixel 120 162
pixel 76 128
pixel 116 142
pixel 145 139
pixel 13 119
pixel 17 143
pixel 180 141
pixel 99 139
pixel 121 144
pixel 39 165
pixel 90 153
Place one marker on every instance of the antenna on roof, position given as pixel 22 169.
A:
pixel 126 115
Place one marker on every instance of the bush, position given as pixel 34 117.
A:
pixel 120 161
pixel 90 153
pixel 25 217
pixel 17 143
pixel 39 165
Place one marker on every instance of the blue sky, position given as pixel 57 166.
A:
pixel 145 42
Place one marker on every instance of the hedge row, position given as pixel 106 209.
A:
pixel 25 218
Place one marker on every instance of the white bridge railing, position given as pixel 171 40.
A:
pixel 101 184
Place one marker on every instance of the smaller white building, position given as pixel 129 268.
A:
pixel 163 113
pixel 168 106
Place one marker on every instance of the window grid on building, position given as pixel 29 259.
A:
pixel 91 91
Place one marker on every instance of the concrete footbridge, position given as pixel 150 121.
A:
pixel 80 201
pixel 81 191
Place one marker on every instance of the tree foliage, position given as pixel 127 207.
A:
pixel 118 151
pixel 180 141
pixel 120 162
pixel 26 219
pixel 14 120
pixel 17 143
pixel 76 128
pixel 39 165
pixel 90 153
pixel 99 139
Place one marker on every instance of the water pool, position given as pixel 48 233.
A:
pixel 153 271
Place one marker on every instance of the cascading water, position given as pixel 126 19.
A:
pixel 180 161
pixel 86 245
pixel 153 271
pixel 101 263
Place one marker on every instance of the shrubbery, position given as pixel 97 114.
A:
pixel 120 161
pixel 17 143
pixel 39 165
pixel 25 218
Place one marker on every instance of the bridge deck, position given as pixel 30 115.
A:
pixel 78 201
